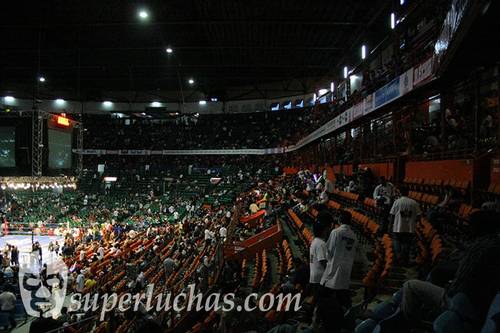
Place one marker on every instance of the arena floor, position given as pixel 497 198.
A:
pixel 24 242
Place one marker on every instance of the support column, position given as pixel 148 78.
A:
pixel 37 142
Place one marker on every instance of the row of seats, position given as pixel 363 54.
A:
pixel 382 265
pixel 429 243
pixel 348 197
pixel 368 225
pixel 464 212
pixel 244 266
pixel 370 205
pixel 304 233
pixel 263 274
pixel 288 255
pixel 437 184
pixel 494 188
pixel 427 200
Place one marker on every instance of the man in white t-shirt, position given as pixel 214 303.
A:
pixel 223 233
pixel 323 197
pixel 405 213
pixel 80 282
pixel 383 195
pixel 82 255
pixel 317 250
pixel 100 252
pixel 384 192
pixel 208 236
pixel 335 296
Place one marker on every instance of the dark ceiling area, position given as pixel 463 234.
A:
pixel 91 50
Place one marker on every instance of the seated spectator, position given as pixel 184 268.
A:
pixel 477 276
pixel 8 305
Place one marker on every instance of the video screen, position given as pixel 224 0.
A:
pixel 7 147
pixel 59 149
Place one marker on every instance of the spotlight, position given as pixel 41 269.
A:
pixel 169 50
pixel 41 79
pixel 60 101
pixel 191 81
pixel 9 99
pixel 156 104
pixel 107 104
pixel 202 102
pixel 143 14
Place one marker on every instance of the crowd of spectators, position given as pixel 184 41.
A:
pixel 130 233
pixel 127 233
pixel 241 131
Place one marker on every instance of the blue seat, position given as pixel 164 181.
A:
pixel 383 310
pixel 397 297
pixel 461 316
pixel 366 326
pixel 450 321
pixel 354 312
pixel 20 314
pixel 461 304
pixel 4 320
pixel 394 323
pixel 490 325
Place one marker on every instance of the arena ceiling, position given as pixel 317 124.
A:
pixel 101 49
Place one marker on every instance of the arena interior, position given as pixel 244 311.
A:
pixel 326 166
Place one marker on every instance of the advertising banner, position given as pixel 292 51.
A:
pixel 387 93
pixel 422 72
pixel 406 82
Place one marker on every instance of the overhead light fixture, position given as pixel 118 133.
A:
pixel 202 102
pixel 345 72
pixel 169 50
pixel 41 79
pixel 9 99
pixel 214 99
pixel 363 52
pixel 393 20
pixel 156 104
pixel 107 104
pixel 332 86
pixel 191 81
pixel 60 101
pixel 143 14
